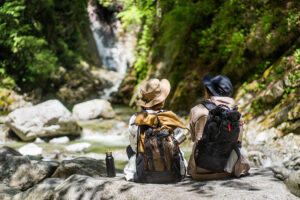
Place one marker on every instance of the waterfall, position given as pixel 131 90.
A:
pixel 115 47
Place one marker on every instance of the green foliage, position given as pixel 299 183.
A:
pixel 25 54
pixel 226 34
pixel 132 15
pixel 287 91
pixel 8 82
pixel 140 13
pixel 35 41
pixel 297 56
pixel 258 106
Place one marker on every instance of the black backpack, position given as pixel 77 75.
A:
pixel 220 137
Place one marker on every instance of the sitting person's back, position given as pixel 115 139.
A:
pixel 154 155
pixel 208 154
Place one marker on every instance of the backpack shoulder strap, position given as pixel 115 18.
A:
pixel 209 105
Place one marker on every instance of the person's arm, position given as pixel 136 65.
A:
pixel 199 127
pixel 198 117
pixel 240 138
pixel 133 133
pixel 192 129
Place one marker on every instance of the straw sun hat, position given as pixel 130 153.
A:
pixel 154 92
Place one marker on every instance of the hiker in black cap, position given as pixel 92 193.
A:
pixel 211 123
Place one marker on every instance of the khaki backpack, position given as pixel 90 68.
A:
pixel 158 155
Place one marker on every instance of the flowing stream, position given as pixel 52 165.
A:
pixel 115 47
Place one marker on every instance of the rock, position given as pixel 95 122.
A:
pixel 282 115
pixel 60 140
pixel 93 109
pixel 7 193
pixel 245 99
pixel 281 172
pixel 288 127
pixel 41 191
pixel 78 147
pixel 80 85
pixel 52 155
pixel 259 159
pixel 4 133
pixel 47 119
pixel 82 166
pixel 39 141
pixel 31 149
pixel 126 90
pixel 2 119
pixel 293 163
pixel 291 79
pixel 259 185
pixel 273 93
pixel 107 78
pixel 7 151
pixel 294 113
pixel 293 182
pixel 10 100
pixel 20 173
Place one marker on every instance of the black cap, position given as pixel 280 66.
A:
pixel 219 85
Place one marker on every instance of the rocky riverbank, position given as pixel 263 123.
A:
pixel 52 165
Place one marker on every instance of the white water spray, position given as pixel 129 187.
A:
pixel 115 51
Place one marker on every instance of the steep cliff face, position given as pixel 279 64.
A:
pixel 183 40
pixel 270 105
pixel 274 96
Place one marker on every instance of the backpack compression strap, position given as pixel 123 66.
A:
pixel 209 105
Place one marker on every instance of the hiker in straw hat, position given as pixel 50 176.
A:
pixel 153 92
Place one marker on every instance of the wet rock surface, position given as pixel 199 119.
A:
pixel 47 119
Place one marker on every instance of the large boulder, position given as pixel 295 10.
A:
pixel 93 109
pixel 82 166
pixel 48 119
pixel 20 173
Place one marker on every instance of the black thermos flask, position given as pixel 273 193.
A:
pixel 110 165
